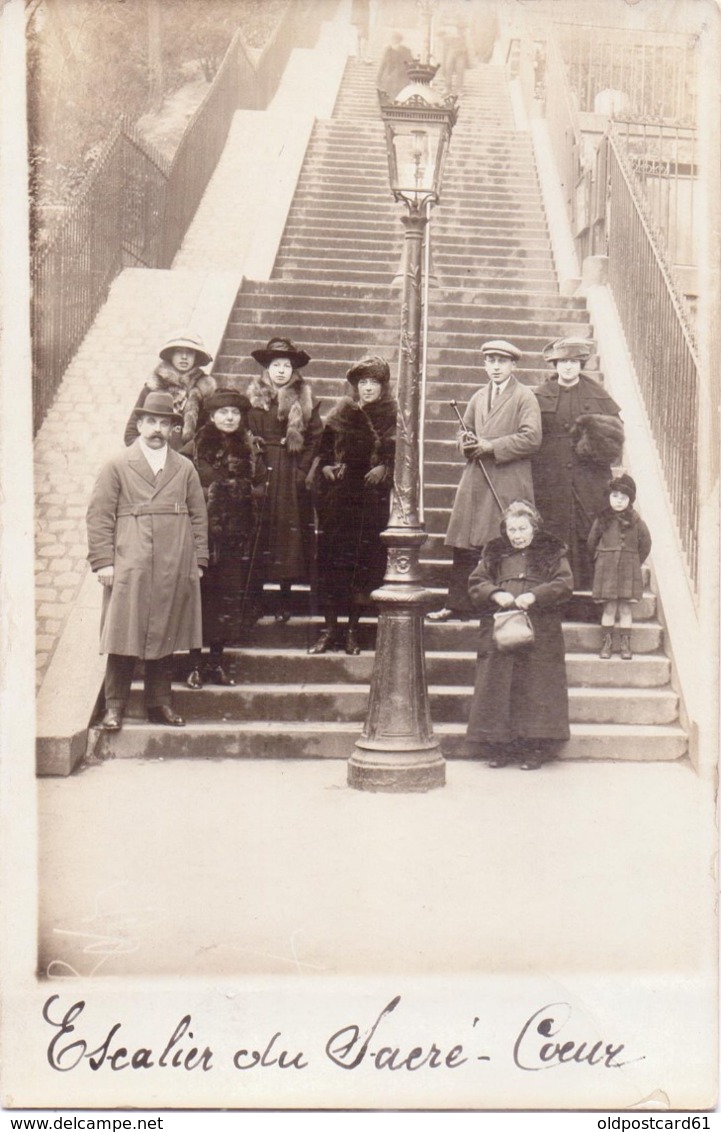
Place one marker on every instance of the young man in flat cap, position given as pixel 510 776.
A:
pixel 582 439
pixel 148 544
pixel 505 417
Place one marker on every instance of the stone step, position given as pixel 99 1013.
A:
pixel 454 301
pixel 343 702
pixel 281 666
pixel 334 269
pixel 320 319
pixel 290 740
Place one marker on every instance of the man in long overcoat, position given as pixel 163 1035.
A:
pixel 506 421
pixel 148 544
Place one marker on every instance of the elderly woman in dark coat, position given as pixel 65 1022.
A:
pixel 519 710
pixel 285 416
pixel 232 474
pixel 355 476
pixel 582 438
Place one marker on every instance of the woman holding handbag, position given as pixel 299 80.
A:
pixel 519 710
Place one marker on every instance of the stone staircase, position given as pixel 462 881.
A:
pixel 332 292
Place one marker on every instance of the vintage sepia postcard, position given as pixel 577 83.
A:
pixel 359 382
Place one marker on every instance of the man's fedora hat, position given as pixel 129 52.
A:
pixel 183 341
pixel 568 350
pixel 158 405
pixel 500 346
pixel 281 348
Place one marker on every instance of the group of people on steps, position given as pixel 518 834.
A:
pixel 221 494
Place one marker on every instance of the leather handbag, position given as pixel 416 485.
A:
pixel 512 629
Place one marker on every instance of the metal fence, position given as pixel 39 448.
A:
pixel 650 73
pixel 659 338
pixel 134 207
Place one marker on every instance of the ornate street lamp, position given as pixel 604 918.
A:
pixel 397 750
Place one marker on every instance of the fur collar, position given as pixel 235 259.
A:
pixel 625 519
pixel 165 379
pixel 349 414
pixel 216 447
pixel 295 405
pixel 543 553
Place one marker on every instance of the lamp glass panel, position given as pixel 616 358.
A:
pixel 416 155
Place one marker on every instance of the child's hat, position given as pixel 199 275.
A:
pixel 625 484
pixel 185 341
pixel 281 348
pixel 227 398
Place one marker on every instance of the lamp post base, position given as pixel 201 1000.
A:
pixel 395 772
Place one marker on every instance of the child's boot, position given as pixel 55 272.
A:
pixel 626 653
pixel 606 645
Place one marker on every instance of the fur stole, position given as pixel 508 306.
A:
pixel 369 428
pixel 543 554
pixel 625 519
pixel 229 454
pixel 189 390
pixel 295 405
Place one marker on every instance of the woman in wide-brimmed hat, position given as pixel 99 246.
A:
pixel 232 473
pixel 179 373
pixel 286 417
pixel 582 439
pixel 354 479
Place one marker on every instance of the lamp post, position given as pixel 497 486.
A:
pixel 397 751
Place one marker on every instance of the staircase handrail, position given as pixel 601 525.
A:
pixel 654 234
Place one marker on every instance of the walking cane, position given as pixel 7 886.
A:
pixel 470 436
pixel 256 539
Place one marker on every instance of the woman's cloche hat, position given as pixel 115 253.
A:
pixel 227 398
pixel 281 348
pixel 568 350
pixel 501 346
pixel 372 365
pixel 624 484
pixel 186 341
pixel 158 405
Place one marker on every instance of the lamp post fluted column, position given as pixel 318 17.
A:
pixel 397 751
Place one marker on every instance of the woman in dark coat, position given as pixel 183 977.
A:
pixel 286 418
pixel 232 474
pixel 393 71
pixel 582 438
pixel 355 476
pixel 519 709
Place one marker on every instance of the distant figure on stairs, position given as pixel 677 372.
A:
pixel 454 54
pixel 582 438
pixel 232 473
pixel 354 478
pixel 392 73
pixel 619 544
pixel 285 416
pixel 506 422
pixel 148 545
pixel 361 20
pixel 179 373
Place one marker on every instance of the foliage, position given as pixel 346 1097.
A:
pixel 93 61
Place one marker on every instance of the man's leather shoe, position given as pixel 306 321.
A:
pixel 166 715
pixel 112 720
pixel 195 680
pixel 351 643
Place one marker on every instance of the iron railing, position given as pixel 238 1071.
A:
pixel 661 342
pixel 200 148
pixel 652 73
pixel 104 230
pixel 134 207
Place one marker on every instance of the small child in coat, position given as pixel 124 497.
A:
pixel 619 542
